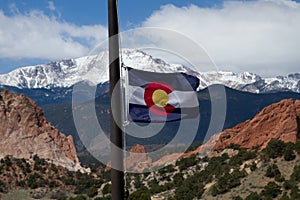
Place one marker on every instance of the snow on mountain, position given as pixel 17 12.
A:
pixel 94 69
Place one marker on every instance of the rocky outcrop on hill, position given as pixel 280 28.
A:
pixel 138 159
pixel 280 121
pixel 24 131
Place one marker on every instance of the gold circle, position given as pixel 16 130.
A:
pixel 160 98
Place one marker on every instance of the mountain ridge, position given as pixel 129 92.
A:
pixel 94 69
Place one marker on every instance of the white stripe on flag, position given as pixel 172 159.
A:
pixel 136 95
pixel 183 99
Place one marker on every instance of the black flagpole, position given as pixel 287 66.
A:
pixel 117 174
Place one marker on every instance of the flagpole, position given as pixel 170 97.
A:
pixel 117 174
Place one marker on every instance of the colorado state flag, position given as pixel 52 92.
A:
pixel 160 97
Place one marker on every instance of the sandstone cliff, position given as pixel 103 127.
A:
pixel 24 131
pixel 280 120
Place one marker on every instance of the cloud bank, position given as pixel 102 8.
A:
pixel 35 35
pixel 259 36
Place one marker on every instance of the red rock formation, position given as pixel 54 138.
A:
pixel 24 131
pixel 280 120
pixel 138 159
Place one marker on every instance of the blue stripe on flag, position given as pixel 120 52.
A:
pixel 179 81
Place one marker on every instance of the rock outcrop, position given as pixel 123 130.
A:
pixel 138 159
pixel 280 120
pixel 25 131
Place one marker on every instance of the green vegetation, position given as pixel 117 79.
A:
pixel 106 189
pixel 92 191
pixel 142 194
pixel 167 169
pixel 253 196
pixel 185 179
pixel 237 198
pixel 271 190
pixel 184 163
pixel 79 197
pixel 288 153
pixel 275 148
pixel 273 171
pixel 38 173
pixel 227 182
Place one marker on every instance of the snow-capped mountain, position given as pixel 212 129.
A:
pixel 94 69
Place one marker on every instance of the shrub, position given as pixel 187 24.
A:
pixel 253 196
pixel 289 184
pixel 227 182
pixel 271 190
pixel 3 187
pixel 7 161
pixel 296 173
pixel 284 197
pixel 178 179
pixel 53 184
pixel 106 189
pixel 137 182
pixel 184 163
pixel 80 197
pixel 53 168
pixel 297 147
pixel 141 194
pixel 21 183
pixel 92 192
pixel 237 198
pixel 183 193
pixel 288 153
pixel 216 166
pixel 33 181
pixel 275 148
pixel 272 171
pixel 253 166
pixel 295 193
pixel 103 198
pixel 242 156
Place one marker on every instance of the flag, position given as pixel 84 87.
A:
pixel 160 97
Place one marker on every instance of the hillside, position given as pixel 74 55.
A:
pixel 270 171
pixel 234 174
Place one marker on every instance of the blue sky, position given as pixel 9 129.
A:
pixel 238 35
pixel 132 12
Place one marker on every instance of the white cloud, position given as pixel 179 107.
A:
pixel 260 36
pixel 51 6
pixel 36 35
